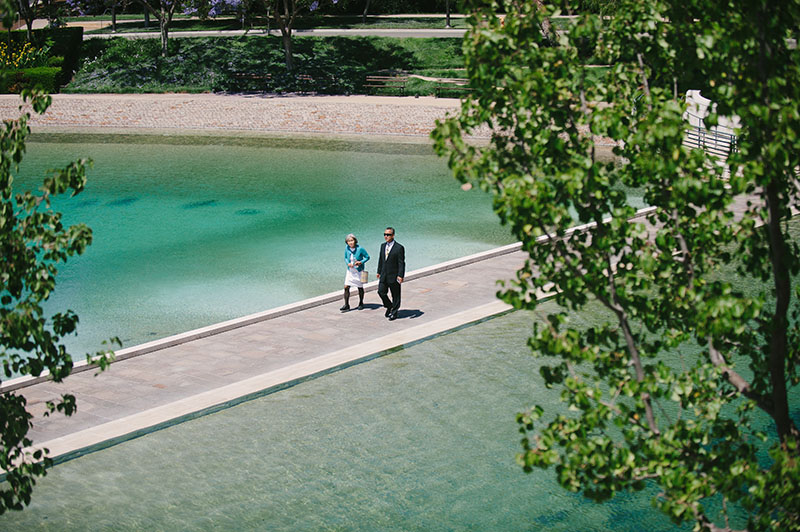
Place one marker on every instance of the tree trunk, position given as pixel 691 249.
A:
pixel 26 12
pixel 286 35
pixel 364 15
pixel 114 17
pixel 285 12
pixel 778 344
pixel 146 19
pixel 163 22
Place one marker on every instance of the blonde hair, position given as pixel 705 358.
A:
pixel 348 237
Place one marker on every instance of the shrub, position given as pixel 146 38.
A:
pixel 334 64
pixel 46 78
pixel 64 42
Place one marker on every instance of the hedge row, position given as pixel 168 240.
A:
pixel 65 55
pixel 46 78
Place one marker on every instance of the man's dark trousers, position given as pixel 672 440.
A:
pixel 384 288
pixel 390 268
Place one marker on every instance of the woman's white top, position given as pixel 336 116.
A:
pixel 353 276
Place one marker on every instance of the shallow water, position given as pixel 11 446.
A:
pixel 190 231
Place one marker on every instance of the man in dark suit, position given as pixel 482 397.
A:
pixel 391 269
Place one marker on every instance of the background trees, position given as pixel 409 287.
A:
pixel 33 241
pixel 688 423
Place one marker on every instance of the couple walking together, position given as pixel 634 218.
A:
pixel 391 269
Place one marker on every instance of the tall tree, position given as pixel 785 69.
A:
pixel 27 10
pixel 33 241
pixel 163 10
pixel 637 417
pixel 285 13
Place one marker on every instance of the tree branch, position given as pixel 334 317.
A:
pixel 736 380
pixel 688 265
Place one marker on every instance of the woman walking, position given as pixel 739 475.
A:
pixel 354 256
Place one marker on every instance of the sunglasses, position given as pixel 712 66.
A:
pixel 388 234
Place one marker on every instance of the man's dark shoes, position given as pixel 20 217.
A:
pixel 388 311
pixel 360 307
pixel 393 316
pixel 345 308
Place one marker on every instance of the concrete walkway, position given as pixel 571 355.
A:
pixel 158 383
pixel 164 382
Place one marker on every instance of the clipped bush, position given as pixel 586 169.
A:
pixel 55 61
pixel 46 78
pixel 63 42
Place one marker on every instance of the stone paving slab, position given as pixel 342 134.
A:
pixel 158 386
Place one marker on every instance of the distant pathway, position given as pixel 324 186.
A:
pixel 316 32
pixel 266 113
pixel 320 32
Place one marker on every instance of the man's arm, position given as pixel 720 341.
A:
pixel 401 264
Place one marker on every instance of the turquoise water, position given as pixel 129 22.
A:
pixel 422 439
pixel 191 231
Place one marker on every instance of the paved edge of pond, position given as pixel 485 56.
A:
pixel 217 328
pixel 120 430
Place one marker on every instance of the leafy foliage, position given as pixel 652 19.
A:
pixel 26 55
pixel 33 241
pixel 634 418
pixel 337 64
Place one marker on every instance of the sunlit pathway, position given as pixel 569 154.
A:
pixel 161 382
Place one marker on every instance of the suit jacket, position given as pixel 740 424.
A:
pixel 393 266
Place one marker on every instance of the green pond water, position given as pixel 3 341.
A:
pixel 190 231
pixel 422 439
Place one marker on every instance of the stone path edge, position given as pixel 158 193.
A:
pixel 100 437
pixel 217 328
